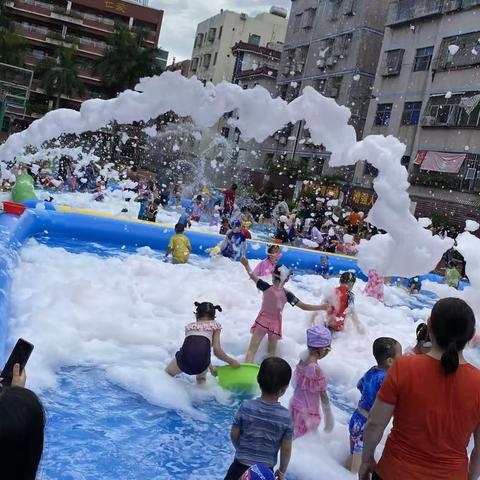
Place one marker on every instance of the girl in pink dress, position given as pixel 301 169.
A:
pixel 311 385
pixel 266 267
pixel 269 319
pixel 374 287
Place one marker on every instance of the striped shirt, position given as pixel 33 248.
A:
pixel 262 426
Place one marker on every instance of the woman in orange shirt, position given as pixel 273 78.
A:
pixel 435 403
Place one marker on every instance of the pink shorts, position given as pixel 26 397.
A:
pixel 261 331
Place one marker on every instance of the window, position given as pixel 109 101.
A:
pixel 225 132
pixel 456 111
pixel 199 40
pixel 329 87
pixel 384 112
pixel 254 39
pixel 297 22
pixel 215 58
pixel 220 32
pixel 460 51
pixel 212 34
pixel 392 62
pixel 423 59
pixel 411 113
pixel 405 161
pixel 206 60
pixel 309 18
pixel 470 3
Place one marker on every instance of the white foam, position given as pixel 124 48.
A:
pixel 126 315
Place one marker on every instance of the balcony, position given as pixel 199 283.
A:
pixel 91 46
pixel 86 73
pixel 32 6
pixel 402 11
pixel 30 32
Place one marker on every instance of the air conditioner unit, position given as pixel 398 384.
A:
pixel 286 70
pixel 331 92
pixel 243 16
pixel 429 121
pixel 321 63
pixel 330 61
pixel 283 140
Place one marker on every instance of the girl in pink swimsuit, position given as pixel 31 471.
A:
pixel 311 385
pixel 267 266
pixel 269 319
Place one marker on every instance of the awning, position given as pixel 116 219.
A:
pixel 443 162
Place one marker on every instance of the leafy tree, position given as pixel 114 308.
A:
pixel 126 60
pixel 59 76
pixel 12 46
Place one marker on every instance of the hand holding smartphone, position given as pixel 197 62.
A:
pixel 20 355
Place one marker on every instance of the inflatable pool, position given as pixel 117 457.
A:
pixel 126 434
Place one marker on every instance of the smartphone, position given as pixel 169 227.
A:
pixel 20 354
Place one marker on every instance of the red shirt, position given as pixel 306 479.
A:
pixel 434 417
pixel 229 200
pixel 247 234
pixel 336 312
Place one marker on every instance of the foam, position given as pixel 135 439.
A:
pixel 406 250
pixel 126 314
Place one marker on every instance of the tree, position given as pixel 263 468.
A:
pixel 12 46
pixel 126 60
pixel 59 76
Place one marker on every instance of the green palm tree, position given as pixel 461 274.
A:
pixel 12 46
pixel 126 60
pixel 59 76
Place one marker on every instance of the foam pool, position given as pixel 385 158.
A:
pixel 106 317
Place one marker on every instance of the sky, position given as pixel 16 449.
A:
pixel 182 16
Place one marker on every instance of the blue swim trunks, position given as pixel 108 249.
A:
pixel 357 427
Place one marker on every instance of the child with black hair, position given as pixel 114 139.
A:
pixel 179 245
pixel 423 344
pixel 194 357
pixel 152 210
pixel 385 351
pixel 262 427
pixel 341 305
pixel 269 319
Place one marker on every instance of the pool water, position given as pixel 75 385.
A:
pixel 97 430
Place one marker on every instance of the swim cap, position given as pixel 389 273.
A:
pixel 282 273
pixel 235 224
pixel 319 337
pixel 258 472
pixel 189 210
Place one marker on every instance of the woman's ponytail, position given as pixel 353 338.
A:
pixel 452 326
pixel 450 359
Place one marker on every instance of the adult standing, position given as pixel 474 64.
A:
pixel 435 403
pixel 229 199
pixel 281 208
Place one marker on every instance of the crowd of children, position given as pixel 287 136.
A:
pixel 263 430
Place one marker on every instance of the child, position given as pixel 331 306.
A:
pixel 185 218
pixel 267 266
pixel 262 426
pixel 152 210
pixel 452 275
pixel 311 385
pixel 234 245
pixel 179 245
pixel 414 285
pixel 374 287
pixel 324 268
pixel 424 344
pixel 385 351
pixel 269 319
pixel 342 305
pixel 281 235
pixel 145 201
pixel 198 208
pixel 194 356
pixel 225 226
pixel 247 218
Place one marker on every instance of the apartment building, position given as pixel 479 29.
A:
pixel 332 46
pixel 427 93
pixel 83 24
pixel 212 57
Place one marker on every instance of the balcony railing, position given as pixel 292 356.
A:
pixel 405 11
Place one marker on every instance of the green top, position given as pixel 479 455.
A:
pixel 452 277
pixel 24 188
